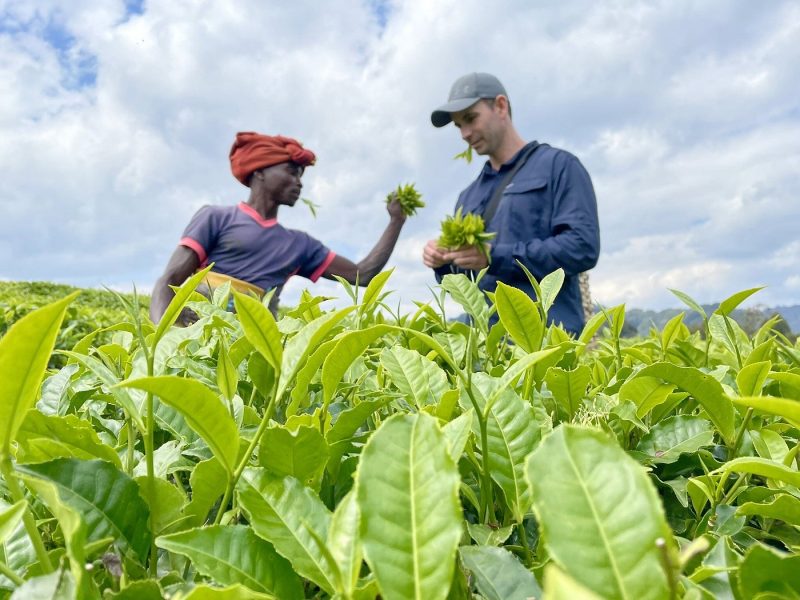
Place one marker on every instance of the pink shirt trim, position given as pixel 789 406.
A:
pixel 253 213
pixel 321 269
pixel 194 245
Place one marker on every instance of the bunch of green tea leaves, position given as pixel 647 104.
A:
pixel 465 230
pixel 410 199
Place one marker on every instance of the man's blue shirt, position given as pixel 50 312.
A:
pixel 546 219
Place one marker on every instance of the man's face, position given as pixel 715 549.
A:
pixel 480 126
pixel 283 182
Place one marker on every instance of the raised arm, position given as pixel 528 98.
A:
pixel 182 264
pixel 373 263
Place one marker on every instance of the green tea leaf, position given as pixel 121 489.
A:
pixel 580 479
pixel 783 507
pixel 512 434
pixel 781 407
pixel 301 453
pixel 410 199
pixel 305 342
pixel 569 388
pixel 231 555
pixel 498 574
pixel 645 392
pixel 260 329
pixel 348 348
pixel 285 513
pixel 203 410
pixel 751 378
pixel 469 296
pixel 42 438
pixel 344 541
pixel 121 396
pixel 762 467
pixel 766 569
pixel 10 519
pixel 669 438
pixel 24 352
pixel 705 389
pixel 227 375
pixel 178 302
pixel 105 497
pixel 231 592
pixel 373 291
pixel 687 300
pixel 407 489
pixel 418 378
pixel 520 316
pixel 560 586
pixel 550 286
pixel 728 305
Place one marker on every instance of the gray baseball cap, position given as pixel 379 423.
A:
pixel 466 91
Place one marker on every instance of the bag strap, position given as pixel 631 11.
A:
pixel 491 208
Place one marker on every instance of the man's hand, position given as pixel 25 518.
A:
pixel 468 257
pixel 395 209
pixel 433 256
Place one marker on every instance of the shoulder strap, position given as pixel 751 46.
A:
pixel 491 208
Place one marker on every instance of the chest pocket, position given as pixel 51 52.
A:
pixel 525 210
pixel 525 186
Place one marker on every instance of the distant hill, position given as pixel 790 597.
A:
pixel 750 318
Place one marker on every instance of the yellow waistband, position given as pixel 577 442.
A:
pixel 217 279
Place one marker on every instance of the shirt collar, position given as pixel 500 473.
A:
pixel 509 164
pixel 253 214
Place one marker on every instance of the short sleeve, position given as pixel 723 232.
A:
pixel 315 257
pixel 201 232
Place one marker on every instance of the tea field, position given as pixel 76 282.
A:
pixel 357 453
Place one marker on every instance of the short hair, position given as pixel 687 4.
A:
pixel 490 102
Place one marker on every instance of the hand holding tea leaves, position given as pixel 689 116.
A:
pixel 465 230
pixel 410 199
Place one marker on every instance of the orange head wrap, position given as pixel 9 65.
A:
pixel 252 151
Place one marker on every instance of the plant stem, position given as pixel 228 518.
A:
pixel 734 488
pixel 225 499
pixel 148 451
pixel 27 518
pixel 523 537
pixel 249 452
pixel 669 569
pixel 7 572
pixel 740 434
pixel 131 447
pixel 732 337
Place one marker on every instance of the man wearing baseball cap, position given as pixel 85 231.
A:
pixel 250 249
pixel 539 201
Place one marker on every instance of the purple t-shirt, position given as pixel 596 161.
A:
pixel 242 244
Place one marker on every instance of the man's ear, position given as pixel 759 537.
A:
pixel 501 103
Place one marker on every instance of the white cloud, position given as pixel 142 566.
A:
pixel 686 116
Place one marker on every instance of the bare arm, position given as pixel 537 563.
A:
pixel 181 265
pixel 377 258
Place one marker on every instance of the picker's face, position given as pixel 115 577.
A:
pixel 283 183
pixel 481 126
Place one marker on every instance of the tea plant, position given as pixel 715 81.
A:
pixel 465 230
pixel 358 452
pixel 408 196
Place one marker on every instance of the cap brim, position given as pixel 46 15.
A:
pixel 443 115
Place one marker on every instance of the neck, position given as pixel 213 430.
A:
pixel 262 204
pixel 511 144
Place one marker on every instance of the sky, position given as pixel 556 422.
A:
pixel 116 118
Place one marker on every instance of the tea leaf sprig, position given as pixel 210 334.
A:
pixel 410 199
pixel 465 230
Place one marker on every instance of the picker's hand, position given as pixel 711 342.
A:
pixel 395 209
pixel 433 256
pixel 469 257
